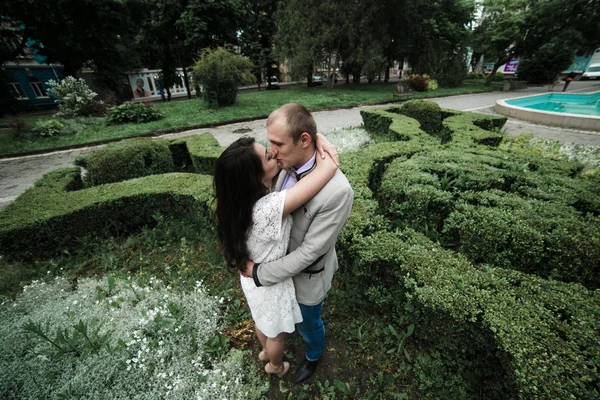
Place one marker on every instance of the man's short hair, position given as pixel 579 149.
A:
pixel 297 119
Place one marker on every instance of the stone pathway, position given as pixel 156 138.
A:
pixel 20 173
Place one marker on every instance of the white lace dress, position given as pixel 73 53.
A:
pixel 274 308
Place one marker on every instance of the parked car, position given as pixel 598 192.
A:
pixel 592 72
pixel 317 80
pixel 274 84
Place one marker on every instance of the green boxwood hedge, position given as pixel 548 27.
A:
pixel 51 216
pixel 481 332
pixel 427 113
pixel 47 219
pixel 128 159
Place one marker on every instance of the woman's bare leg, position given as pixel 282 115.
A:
pixel 261 337
pixel 274 348
pixel 262 355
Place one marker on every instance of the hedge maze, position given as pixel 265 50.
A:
pixel 494 256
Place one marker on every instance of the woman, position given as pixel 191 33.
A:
pixel 253 224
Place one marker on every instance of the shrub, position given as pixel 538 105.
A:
pixel 220 72
pixel 452 71
pixel 94 109
pixel 54 214
pixel 136 113
pixel 65 339
pixel 49 127
pixel 418 82
pixel 427 113
pixel 73 95
pixel 128 159
pixel 475 75
pixel 478 330
pixel 47 219
pixel 433 85
pixel 499 76
pixel 19 128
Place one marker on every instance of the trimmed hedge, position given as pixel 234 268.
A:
pixel 199 151
pixel 488 207
pixel 481 332
pixel 52 215
pixel 128 159
pixel 427 113
pixel 46 219
pixel 500 333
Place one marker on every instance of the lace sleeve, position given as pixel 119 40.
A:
pixel 267 215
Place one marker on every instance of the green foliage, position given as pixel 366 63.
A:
pixel 49 127
pixel 452 71
pixel 427 113
pixel 477 329
pixel 221 72
pixel 542 65
pixel 475 75
pixel 74 96
pixel 65 212
pixel 128 159
pixel 19 129
pixel 65 339
pixel 192 114
pixel 136 113
pixel 420 83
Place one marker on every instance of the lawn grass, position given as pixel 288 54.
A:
pixel 189 114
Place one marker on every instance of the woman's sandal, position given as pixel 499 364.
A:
pixel 262 356
pixel 279 371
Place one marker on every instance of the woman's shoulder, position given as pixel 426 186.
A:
pixel 270 199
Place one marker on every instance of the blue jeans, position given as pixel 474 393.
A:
pixel 312 331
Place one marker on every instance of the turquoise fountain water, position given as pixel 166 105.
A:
pixel 583 104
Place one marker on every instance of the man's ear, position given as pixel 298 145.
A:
pixel 305 139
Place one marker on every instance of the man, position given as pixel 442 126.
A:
pixel 311 258
pixel 569 79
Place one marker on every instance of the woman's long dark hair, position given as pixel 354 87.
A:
pixel 238 185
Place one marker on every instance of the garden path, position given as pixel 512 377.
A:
pixel 19 173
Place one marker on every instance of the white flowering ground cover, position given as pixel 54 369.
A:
pixel 348 139
pixel 118 338
pixel 589 155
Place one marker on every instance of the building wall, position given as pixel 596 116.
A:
pixel 23 76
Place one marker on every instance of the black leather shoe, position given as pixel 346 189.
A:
pixel 306 370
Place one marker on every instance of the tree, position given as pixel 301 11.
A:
pixel 220 71
pixel 257 38
pixel 177 30
pixel 75 33
pixel 548 32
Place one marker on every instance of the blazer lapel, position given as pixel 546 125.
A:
pixel 280 179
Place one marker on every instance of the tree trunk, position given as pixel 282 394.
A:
pixel 186 82
pixel 309 79
pixel 490 77
pixel 168 94
pixel 386 79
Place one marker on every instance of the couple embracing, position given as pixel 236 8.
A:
pixel 279 228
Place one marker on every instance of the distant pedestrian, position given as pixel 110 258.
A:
pixel 570 77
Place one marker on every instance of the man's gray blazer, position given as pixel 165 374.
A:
pixel 311 258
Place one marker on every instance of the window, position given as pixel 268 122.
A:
pixel 16 90
pixel 37 86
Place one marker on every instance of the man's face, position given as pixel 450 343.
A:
pixel 287 153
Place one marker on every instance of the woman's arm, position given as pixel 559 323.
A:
pixel 325 146
pixel 310 185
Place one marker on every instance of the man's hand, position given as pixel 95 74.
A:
pixel 247 273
